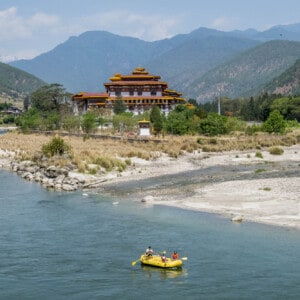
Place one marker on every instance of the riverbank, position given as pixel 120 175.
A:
pixel 273 200
pixel 243 185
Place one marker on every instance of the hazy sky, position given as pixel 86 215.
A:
pixel 31 27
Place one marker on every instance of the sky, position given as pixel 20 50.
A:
pixel 31 27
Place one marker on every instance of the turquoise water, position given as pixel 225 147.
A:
pixel 66 246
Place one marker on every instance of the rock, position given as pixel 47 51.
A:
pixel 28 176
pixel 59 179
pixel 51 172
pixel 69 187
pixel 237 219
pixel 38 176
pixel 147 199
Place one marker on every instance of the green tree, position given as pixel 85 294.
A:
pixel 156 119
pixel 213 124
pixel 30 119
pixel 49 97
pixel 275 123
pixel 26 102
pixel 124 122
pixel 119 106
pixel 72 123
pixel 88 123
pixel 176 123
pixel 289 107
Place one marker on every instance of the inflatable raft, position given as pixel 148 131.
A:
pixel 156 261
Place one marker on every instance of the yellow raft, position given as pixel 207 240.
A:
pixel 156 261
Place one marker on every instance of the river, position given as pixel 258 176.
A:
pixel 56 245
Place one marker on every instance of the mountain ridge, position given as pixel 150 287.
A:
pixel 85 62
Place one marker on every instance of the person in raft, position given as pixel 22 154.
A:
pixel 163 257
pixel 174 255
pixel 149 251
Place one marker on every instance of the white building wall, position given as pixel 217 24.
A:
pixel 145 131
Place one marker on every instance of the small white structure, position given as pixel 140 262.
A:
pixel 144 127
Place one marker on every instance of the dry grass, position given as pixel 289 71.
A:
pixel 110 153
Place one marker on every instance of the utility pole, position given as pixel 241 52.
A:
pixel 219 105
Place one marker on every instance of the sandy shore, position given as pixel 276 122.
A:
pixel 273 201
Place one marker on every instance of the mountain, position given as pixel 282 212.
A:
pixel 85 62
pixel 247 73
pixel 15 83
pixel 287 83
pixel 196 56
pixel 186 61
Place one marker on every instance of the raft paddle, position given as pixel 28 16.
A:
pixel 134 262
pixel 183 258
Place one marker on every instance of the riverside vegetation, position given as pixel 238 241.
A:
pixel 189 129
pixel 56 157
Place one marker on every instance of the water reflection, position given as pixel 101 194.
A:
pixel 163 273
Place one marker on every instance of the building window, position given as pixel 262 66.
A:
pixel 153 92
pixel 140 91
pixel 118 91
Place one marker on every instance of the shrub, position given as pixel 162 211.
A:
pixel 258 154
pixel 276 150
pixel 275 123
pixel 56 146
pixel 260 170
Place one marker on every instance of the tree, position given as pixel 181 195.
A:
pixel 213 124
pixel 26 103
pixel 72 123
pixel 31 119
pixel 177 123
pixel 156 119
pixel 275 123
pixel 88 122
pixel 49 97
pixel 119 106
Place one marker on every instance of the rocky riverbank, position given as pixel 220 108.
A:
pixel 242 186
pixel 49 176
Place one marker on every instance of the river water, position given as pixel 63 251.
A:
pixel 57 245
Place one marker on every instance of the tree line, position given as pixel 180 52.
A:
pixel 50 108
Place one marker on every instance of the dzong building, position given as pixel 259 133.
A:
pixel 139 90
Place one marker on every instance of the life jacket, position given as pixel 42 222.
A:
pixel 175 256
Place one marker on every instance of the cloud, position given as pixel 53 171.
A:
pixel 44 20
pixel 146 27
pixel 12 26
pixel 25 37
pixel 224 23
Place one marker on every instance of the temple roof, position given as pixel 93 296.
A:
pixel 135 82
pixel 90 95
pixel 137 74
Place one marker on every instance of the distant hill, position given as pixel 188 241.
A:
pixel 15 83
pixel 85 62
pixel 287 83
pixel 193 63
pixel 248 72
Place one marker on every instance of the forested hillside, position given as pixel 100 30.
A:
pixel 15 83
pixel 248 73
pixel 288 83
